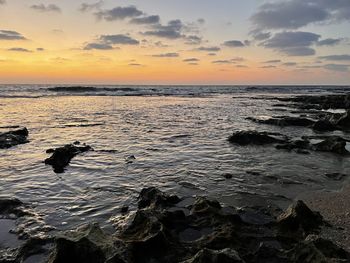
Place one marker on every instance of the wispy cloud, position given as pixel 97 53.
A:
pixel 46 8
pixel 10 35
pixel 166 55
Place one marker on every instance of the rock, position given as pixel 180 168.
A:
pixel 285 121
pixel 155 198
pixel 299 219
pixel 164 230
pixel 124 209
pixel 88 244
pixel 316 249
pixel 334 144
pixel 336 176
pixel 344 120
pixel 216 256
pixel 254 137
pixel 63 155
pixel 10 206
pixel 324 126
pixel 13 138
pixel 227 176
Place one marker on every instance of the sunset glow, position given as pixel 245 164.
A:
pixel 177 42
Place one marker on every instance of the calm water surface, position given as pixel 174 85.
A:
pixel 180 145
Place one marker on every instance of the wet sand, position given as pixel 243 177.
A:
pixel 335 208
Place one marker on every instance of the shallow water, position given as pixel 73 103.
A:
pixel 180 144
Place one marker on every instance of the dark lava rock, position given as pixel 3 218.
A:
pixel 124 209
pixel 339 101
pixel 154 197
pixel 227 176
pixel 300 219
pixel 285 121
pixel 63 155
pixel 334 144
pixel 163 231
pixel 255 137
pixel 324 126
pixel 216 256
pixel 73 89
pixel 336 176
pixel 344 120
pixel 88 244
pixel 13 138
pixel 11 206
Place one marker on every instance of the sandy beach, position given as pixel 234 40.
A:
pixel 335 208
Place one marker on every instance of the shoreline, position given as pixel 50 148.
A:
pixel 335 208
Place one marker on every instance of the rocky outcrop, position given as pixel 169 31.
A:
pixel 13 138
pixel 340 101
pixel 284 121
pixel 61 156
pixel 256 138
pixel 165 229
pixel 11 206
pixel 332 144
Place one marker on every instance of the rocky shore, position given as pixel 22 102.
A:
pixel 170 228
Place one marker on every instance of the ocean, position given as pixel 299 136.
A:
pixel 178 135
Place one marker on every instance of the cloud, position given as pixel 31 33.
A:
pixel 191 60
pixel 269 66
pixel 289 64
pixel 193 40
pixel 291 14
pixel 119 13
pixel 10 35
pixel 222 61
pixel 337 57
pixel 166 55
pixel 329 42
pixel 337 67
pixel 234 43
pixel 85 7
pixel 154 19
pixel 40 49
pixel 118 39
pixel 107 42
pixel 209 49
pixel 2 2
pixel 293 43
pixel 46 8
pixel 135 65
pixel 98 46
pixel 171 31
pixel 272 61
pixel 19 49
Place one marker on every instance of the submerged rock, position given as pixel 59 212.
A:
pixel 334 144
pixel 13 138
pixel 216 256
pixel 255 137
pixel 63 155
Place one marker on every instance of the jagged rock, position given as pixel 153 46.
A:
pixel 153 197
pixel 298 218
pixel 63 155
pixel 333 144
pixel 13 138
pixel 165 231
pixel 88 244
pixel 336 176
pixel 323 126
pixel 255 137
pixel 216 256
pixel 285 121
pixel 344 120
pixel 315 249
pixel 11 206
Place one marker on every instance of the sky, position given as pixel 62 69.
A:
pixel 175 42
